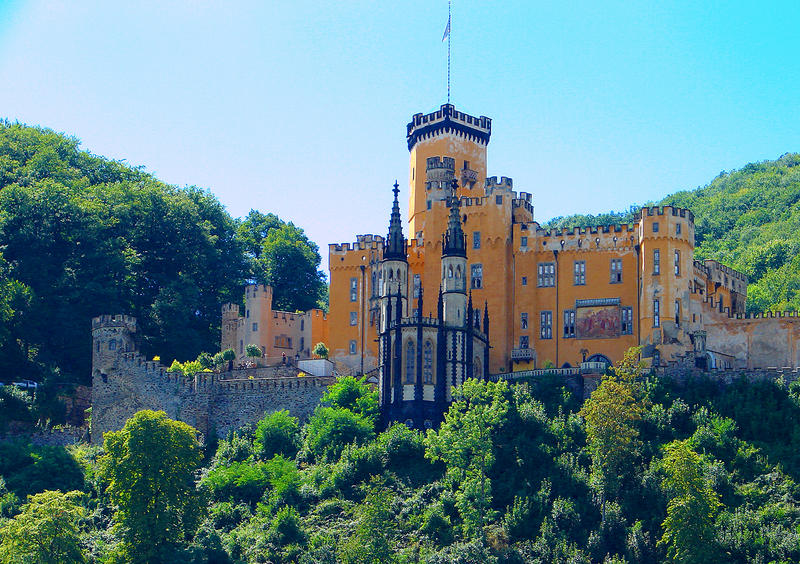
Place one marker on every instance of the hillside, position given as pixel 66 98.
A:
pixel 747 219
pixel 82 235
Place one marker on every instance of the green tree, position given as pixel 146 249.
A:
pixel 610 416
pixel 354 394
pixel 46 531
pixel 330 429
pixel 149 466
pixel 689 526
pixel 464 443
pixel 252 351
pixel 277 433
pixel 321 350
pixel 370 541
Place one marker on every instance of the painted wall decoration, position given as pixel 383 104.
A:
pixel 597 322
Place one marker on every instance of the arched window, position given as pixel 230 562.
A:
pixel 458 271
pixel 410 362
pixel 476 369
pixel 427 367
pixel 449 271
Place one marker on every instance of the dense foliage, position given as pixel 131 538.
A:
pixel 691 472
pixel 81 235
pixel 748 219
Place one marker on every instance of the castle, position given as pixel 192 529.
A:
pixel 557 298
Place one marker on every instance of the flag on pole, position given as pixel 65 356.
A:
pixel 446 30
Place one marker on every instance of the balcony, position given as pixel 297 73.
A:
pixel 521 354
pixel 468 176
pixel 593 367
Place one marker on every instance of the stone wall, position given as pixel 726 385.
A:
pixel 209 402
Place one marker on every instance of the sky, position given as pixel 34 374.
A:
pixel 300 108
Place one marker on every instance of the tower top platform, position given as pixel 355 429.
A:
pixel 447 119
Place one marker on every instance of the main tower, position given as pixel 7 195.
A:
pixel 445 132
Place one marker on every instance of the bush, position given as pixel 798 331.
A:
pixel 331 428
pixel 30 470
pixel 353 394
pixel 277 433
pixel 239 482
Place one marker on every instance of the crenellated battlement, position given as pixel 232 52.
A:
pixel 435 163
pixel 448 120
pixel 505 183
pixel 126 322
pixel 621 228
pixel 665 211
pixel 363 242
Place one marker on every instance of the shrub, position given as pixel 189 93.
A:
pixel 331 428
pixel 238 482
pixel 277 433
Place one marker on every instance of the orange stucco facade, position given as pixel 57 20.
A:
pixel 555 297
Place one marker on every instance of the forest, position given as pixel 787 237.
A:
pixel 646 470
pixel 81 236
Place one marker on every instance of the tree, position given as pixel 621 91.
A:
pixel 353 394
pixel 149 466
pixel 229 355
pixel 46 531
pixel 321 350
pixel 252 351
pixel 689 526
pixel 370 542
pixel 277 433
pixel 330 429
pixel 610 415
pixel 464 443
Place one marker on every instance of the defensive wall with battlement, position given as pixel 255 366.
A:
pixel 124 382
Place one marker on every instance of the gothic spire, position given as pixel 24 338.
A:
pixel 454 242
pixel 395 248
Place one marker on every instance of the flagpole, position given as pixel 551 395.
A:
pixel 450 29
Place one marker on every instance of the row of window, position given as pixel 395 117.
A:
pixel 427 362
pixel 657 312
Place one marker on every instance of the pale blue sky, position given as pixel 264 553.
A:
pixel 300 108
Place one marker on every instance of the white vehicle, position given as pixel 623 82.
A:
pixel 27 384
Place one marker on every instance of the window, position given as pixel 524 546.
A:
pixel 353 318
pixel 476 272
pixel 655 227
pixel 523 342
pixel 429 204
pixel 569 323
pixel 353 347
pixel 523 242
pixel 616 271
pixel 476 318
pixel 354 289
pixel 498 199
pixel 546 325
pixel 656 261
pixel 417 281
pixel 247 314
pixel 546 274
pixel 524 280
pixel 302 343
pixel 284 342
pixel 112 345
pixel 241 346
pixel 410 362
pixel 656 314
pixel 97 346
pixel 255 327
pixel 627 321
pixel 677 263
pixel 427 366
pixel 677 312
pixel 302 324
pixel 523 320
pixel 476 239
pixel 677 229
pixel 579 272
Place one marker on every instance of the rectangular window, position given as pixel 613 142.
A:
pixel 255 327
pixel 579 272
pixel 353 347
pixel 247 314
pixel 546 325
pixel 523 320
pixel 476 318
pixel 241 346
pixel 569 323
pixel 616 271
pixel 523 342
pixel 523 242
pixel 353 318
pixel 498 199
pixel 677 263
pixel 302 343
pixel 656 261
pixel 546 274
pixel 627 321
pixel 429 204
pixel 354 289
pixel 524 280
pixel 677 312
pixel 655 227
pixel 476 239
pixel 476 275
pixel 417 285
pixel 112 345
pixel 656 314
pixel 677 229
